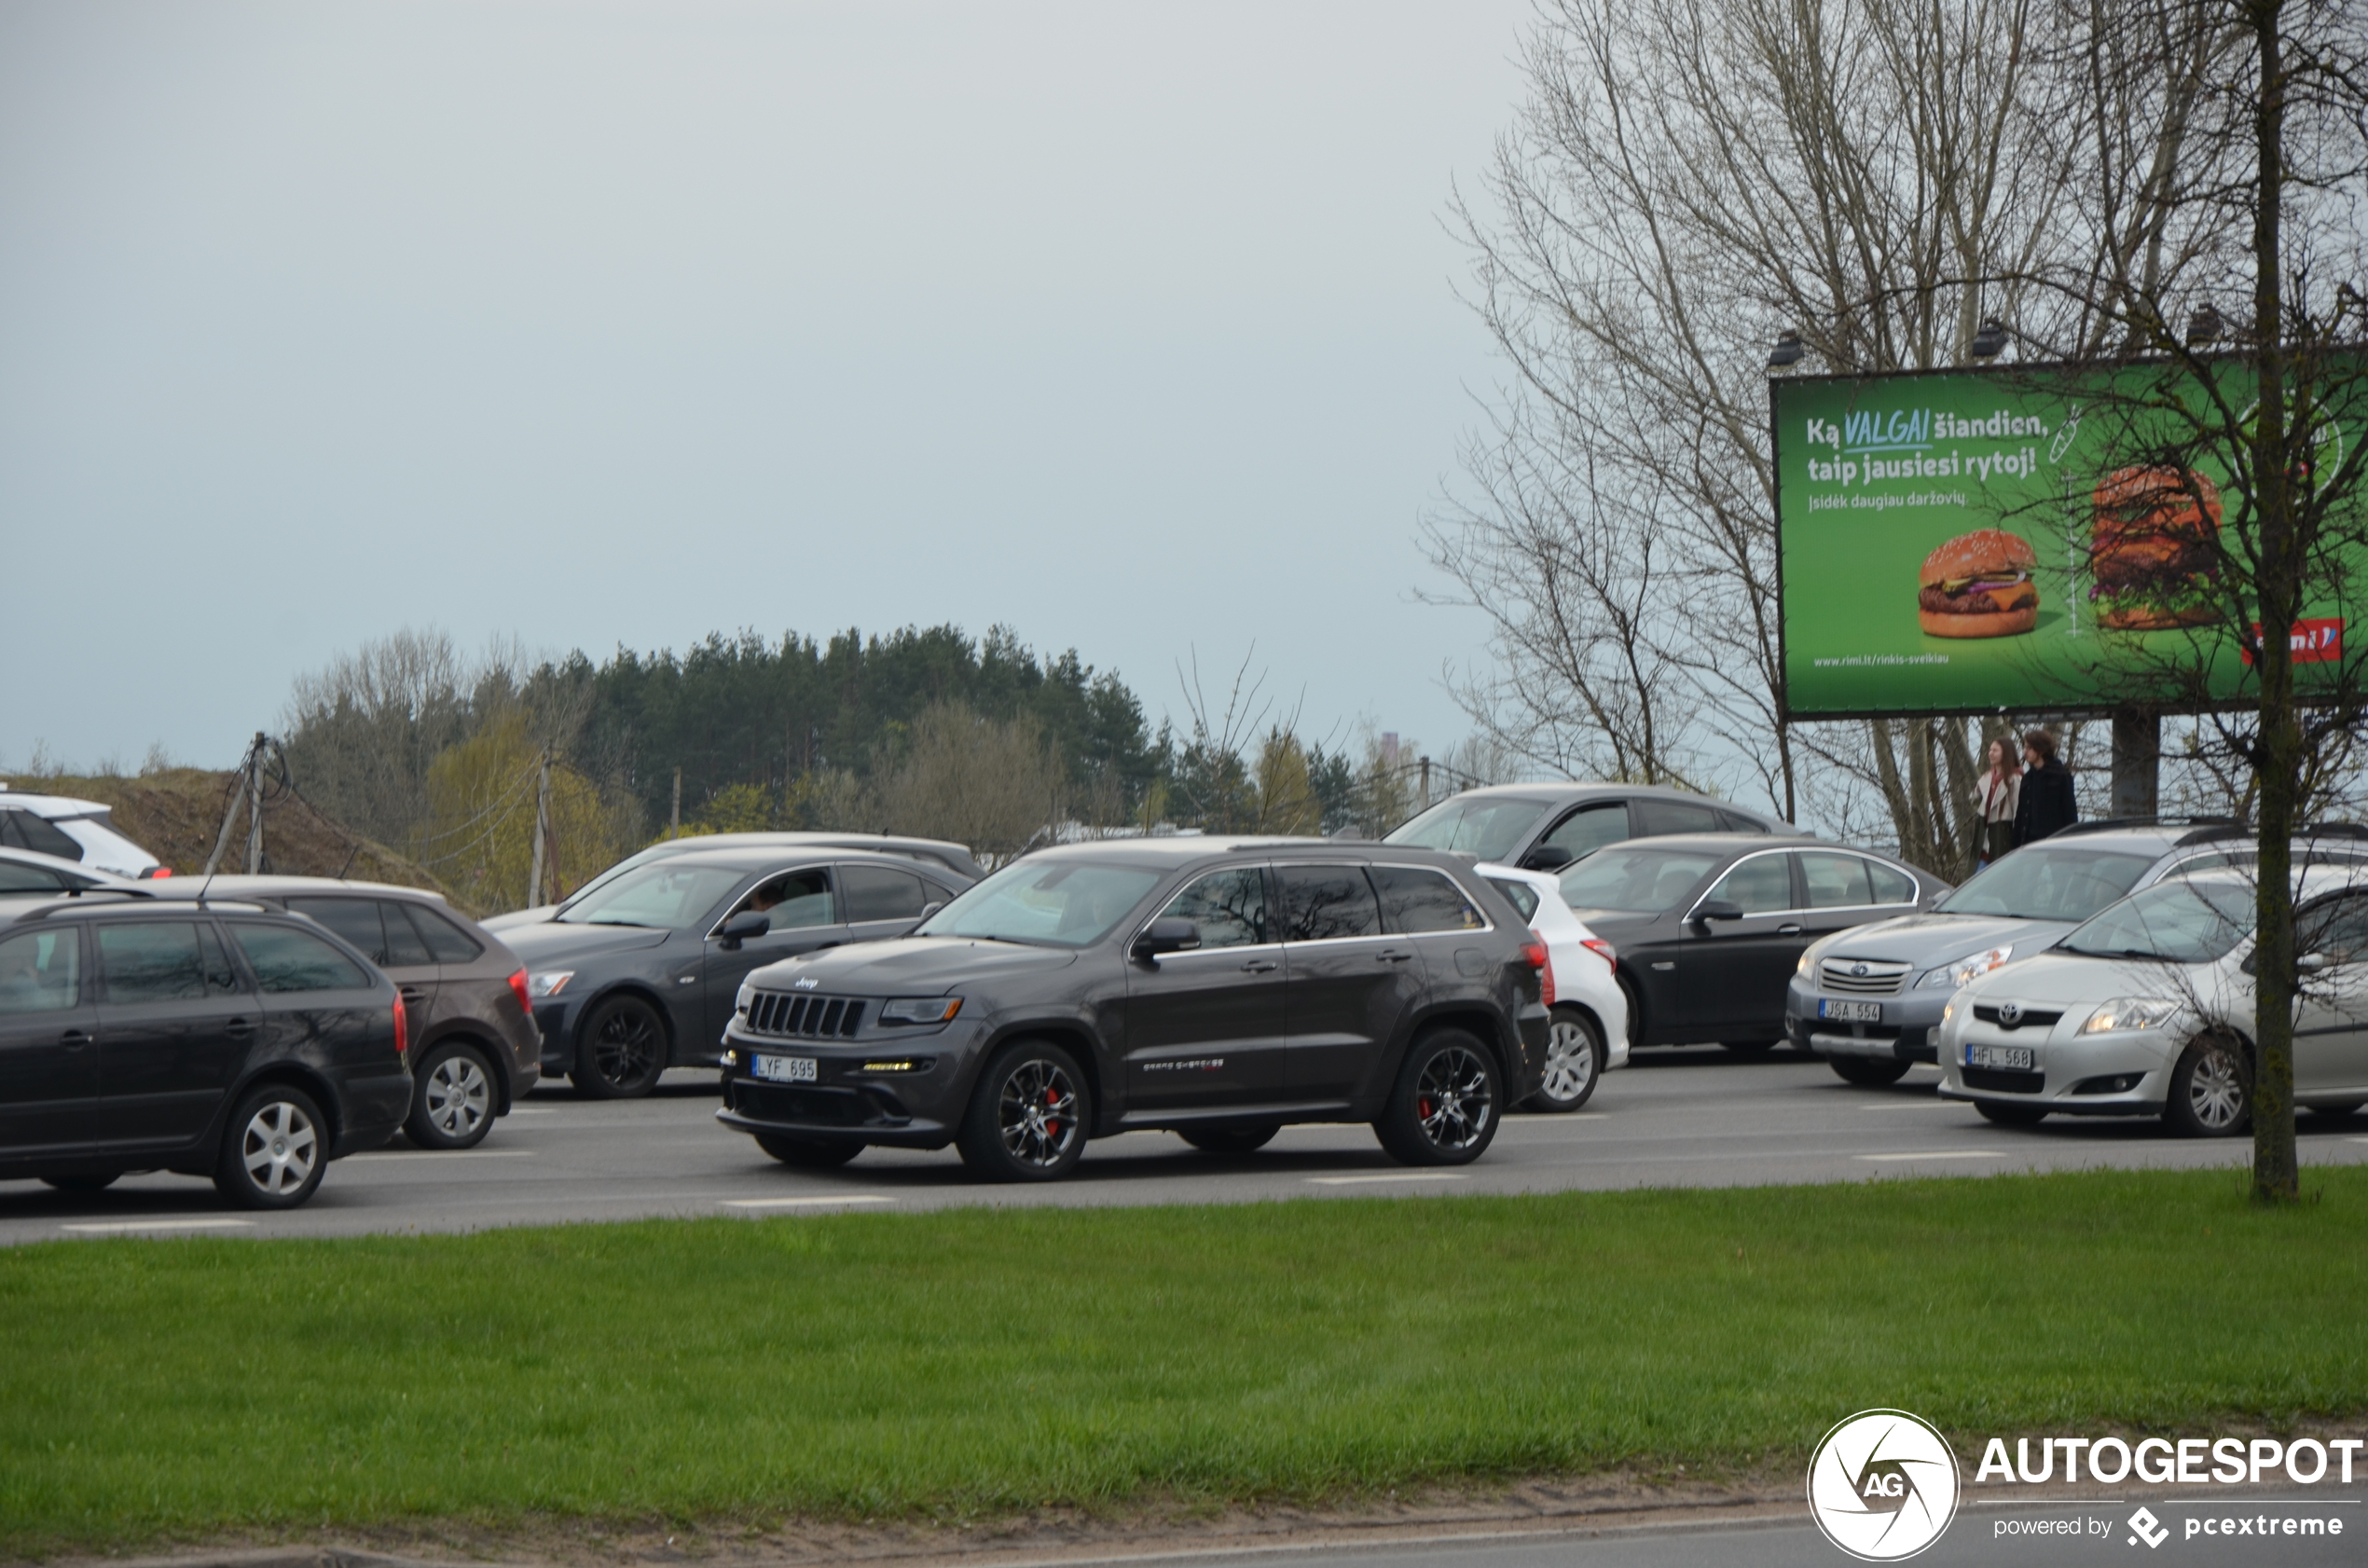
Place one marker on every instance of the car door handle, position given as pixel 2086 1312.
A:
pixel 412 995
pixel 1665 963
pixel 238 1028
pixel 74 1039
pixel 1392 956
pixel 1261 966
pixel 1788 930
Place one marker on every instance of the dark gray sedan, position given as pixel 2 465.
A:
pixel 639 974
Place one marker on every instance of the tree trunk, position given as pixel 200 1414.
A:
pixel 2276 1180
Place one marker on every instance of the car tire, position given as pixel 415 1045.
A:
pixel 2005 1114
pixel 1867 1072
pixel 1445 1110
pixel 275 1147
pixel 2334 1113
pixel 83 1181
pixel 1750 1047
pixel 1574 1059
pixel 453 1098
pixel 809 1154
pixel 2212 1089
pixel 1028 1116
pixel 623 1051
pixel 1228 1140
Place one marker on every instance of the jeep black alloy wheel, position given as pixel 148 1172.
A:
pixel 453 1099
pixel 1444 1110
pixel 1027 1120
pixel 274 1148
pixel 624 1051
pixel 2212 1089
pixel 1573 1062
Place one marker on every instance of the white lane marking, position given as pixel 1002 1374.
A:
pixel 804 1202
pixel 438 1156
pixel 1941 1154
pixel 113 1226
pixel 1409 1175
pixel 524 1111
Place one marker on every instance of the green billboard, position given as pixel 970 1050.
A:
pixel 2020 539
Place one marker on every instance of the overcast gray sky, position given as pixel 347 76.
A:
pixel 1129 325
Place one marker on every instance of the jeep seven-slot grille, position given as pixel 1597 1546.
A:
pixel 773 1013
pixel 1862 977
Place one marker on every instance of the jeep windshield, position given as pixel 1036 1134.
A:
pixel 2044 883
pixel 1044 903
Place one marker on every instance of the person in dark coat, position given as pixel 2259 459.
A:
pixel 2046 805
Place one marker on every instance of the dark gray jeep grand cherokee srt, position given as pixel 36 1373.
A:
pixel 1216 988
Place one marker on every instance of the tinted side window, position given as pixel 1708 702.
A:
pixel 41 971
pixel 357 920
pixel 448 942
pixel 1836 881
pixel 1735 822
pixel 405 948
pixel 1415 899
pixel 1322 903
pixel 1227 907
pixel 1521 895
pixel 1762 885
pixel 1655 817
pixel 15 878
pixel 151 961
pixel 1891 886
pixel 877 893
pixel 285 959
pixel 1589 828
pixel 26 829
pixel 2338 928
pixel 794 900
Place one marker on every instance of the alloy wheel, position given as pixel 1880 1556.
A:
pixel 278 1149
pixel 456 1096
pixel 1037 1113
pixel 2216 1091
pixel 1453 1102
pixel 1570 1062
pixel 624 1052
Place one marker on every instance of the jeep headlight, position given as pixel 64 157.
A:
pixel 1965 971
pixel 2124 1015
pixel 920 1010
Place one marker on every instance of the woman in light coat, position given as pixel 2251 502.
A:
pixel 2000 792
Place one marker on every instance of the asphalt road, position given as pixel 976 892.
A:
pixel 1674 1118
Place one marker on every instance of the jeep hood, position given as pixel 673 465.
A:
pixel 909 966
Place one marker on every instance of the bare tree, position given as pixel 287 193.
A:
pixel 1685 183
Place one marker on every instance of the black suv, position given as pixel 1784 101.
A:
pixel 221 1039
pixel 1218 989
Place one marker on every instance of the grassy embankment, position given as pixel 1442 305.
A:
pixel 972 1360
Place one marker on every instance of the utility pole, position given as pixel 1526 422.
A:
pixel 255 807
pixel 237 798
pixel 542 827
pixel 1426 783
pixel 674 824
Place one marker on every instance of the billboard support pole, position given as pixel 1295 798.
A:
pixel 2137 748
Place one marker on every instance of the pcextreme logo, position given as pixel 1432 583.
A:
pixel 1883 1485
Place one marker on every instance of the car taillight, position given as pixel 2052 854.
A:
pixel 518 989
pixel 402 1027
pixel 1545 981
pixel 1602 949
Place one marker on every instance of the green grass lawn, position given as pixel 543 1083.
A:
pixel 976 1361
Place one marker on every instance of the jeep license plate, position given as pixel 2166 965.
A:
pixel 793 1069
pixel 1850 1012
pixel 2013 1058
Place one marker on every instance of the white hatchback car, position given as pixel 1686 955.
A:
pixel 71 830
pixel 2146 1008
pixel 1589 1031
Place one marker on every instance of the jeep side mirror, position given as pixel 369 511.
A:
pixel 1546 857
pixel 1717 909
pixel 1169 933
pixel 746 923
